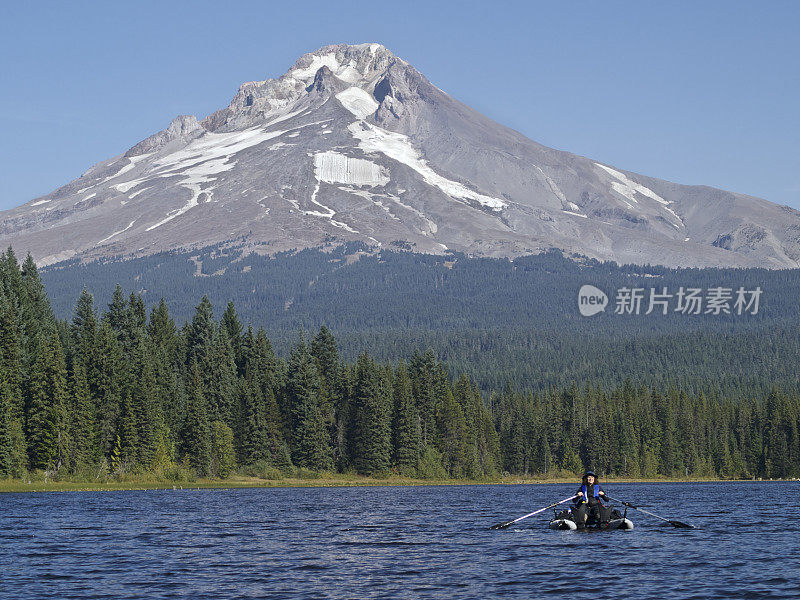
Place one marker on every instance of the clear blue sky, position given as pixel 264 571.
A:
pixel 694 92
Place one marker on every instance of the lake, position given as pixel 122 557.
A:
pixel 397 542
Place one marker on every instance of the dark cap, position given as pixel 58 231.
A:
pixel 592 473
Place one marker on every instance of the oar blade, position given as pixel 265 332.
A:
pixel 681 525
pixel 502 525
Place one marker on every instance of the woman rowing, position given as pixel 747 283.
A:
pixel 589 505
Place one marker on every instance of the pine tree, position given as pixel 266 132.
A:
pixel 12 284
pixel 223 457
pixel 253 438
pixel 451 426
pixel 107 383
pixel 11 357
pixel 84 329
pixel 5 428
pixel 200 335
pixel 82 419
pixel 13 447
pixel 197 430
pixel 48 429
pixel 146 408
pixel 222 381
pixel 310 443
pixel 162 332
pixel 372 413
pixel 422 370
pixel 163 344
pixel 406 429
pixel 233 327
pixel 326 354
pixel 36 322
pixel 117 314
pixel 128 433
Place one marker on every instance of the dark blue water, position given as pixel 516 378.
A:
pixel 421 542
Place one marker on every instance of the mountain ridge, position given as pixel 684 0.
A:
pixel 354 144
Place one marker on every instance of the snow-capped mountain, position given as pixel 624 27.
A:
pixel 353 143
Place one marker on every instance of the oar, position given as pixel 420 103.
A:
pixel 536 512
pixel 670 521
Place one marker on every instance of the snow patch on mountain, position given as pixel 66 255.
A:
pixel 134 160
pixel 373 139
pixel 328 214
pixel 358 102
pixel 193 201
pixel 137 192
pixel 376 199
pixel 116 233
pixel 628 188
pixel 317 62
pixel 553 187
pixel 332 167
pixel 211 146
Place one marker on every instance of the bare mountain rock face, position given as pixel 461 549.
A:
pixel 353 143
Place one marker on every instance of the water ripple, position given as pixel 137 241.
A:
pixel 395 543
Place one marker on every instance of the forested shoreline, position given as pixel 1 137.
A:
pixel 121 391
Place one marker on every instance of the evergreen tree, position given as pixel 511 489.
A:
pixel 253 433
pixel 84 329
pixel 82 419
pixel 128 433
pixel 107 383
pixel 5 428
pixel 233 327
pixel 162 332
pixel 197 430
pixel 372 413
pixel 309 438
pixel 423 371
pixel 452 428
pixel 147 408
pixel 223 457
pixel 200 335
pixel 48 429
pixel 163 346
pixel 406 427
pixel 222 381
pixel 117 314
pixel 326 354
pixel 11 356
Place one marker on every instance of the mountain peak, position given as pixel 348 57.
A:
pixel 360 65
pixel 353 143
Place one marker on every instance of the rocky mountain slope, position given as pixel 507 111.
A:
pixel 353 143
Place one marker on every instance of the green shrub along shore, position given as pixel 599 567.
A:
pixel 39 482
pixel 121 397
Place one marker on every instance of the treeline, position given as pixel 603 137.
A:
pixel 124 391
pixel 351 287
pixel 500 322
pixel 642 432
